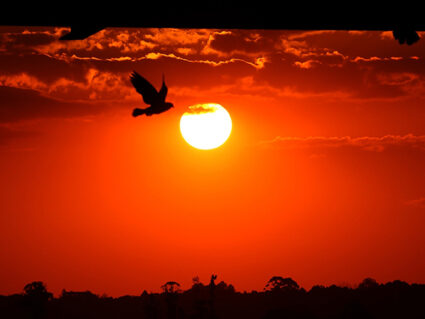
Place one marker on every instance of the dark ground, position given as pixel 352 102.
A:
pixel 282 298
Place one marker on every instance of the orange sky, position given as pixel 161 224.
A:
pixel 321 180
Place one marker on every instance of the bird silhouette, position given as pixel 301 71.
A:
pixel 150 95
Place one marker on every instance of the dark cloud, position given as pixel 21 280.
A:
pixel 353 44
pixel 23 104
pixel 25 40
pixel 8 134
pixel 300 64
pixel 45 68
pixel 242 43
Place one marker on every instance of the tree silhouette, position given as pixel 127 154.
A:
pixel 171 290
pixel 36 297
pixel 368 283
pixel 195 280
pixel 170 287
pixel 37 289
pixel 278 283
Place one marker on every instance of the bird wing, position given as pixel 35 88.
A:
pixel 143 87
pixel 164 90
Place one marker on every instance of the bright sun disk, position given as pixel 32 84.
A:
pixel 206 126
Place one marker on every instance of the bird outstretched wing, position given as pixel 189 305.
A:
pixel 145 88
pixel 163 91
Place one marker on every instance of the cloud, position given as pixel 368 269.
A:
pixel 284 64
pixel 24 104
pixel 185 51
pixel 22 80
pixel 398 79
pixel 320 45
pixel 201 108
pixel 253 37
pixel 375 58
pixel 420 202
pixel 356 32
pixel 236 43
pixel 249 87
pixel 257 63
pixel 24 40
pixel 245 45
pixel 306 64
pixel 169 36
pixel 294 47
pixel 8 134
pixel 95 85
pixel 412 84
pixel 387 35
pixel 366 143
pixel 114 44
pixel 307 55
pixel 301 35
pixel 128 43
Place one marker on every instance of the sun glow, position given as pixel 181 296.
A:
pixel 206 126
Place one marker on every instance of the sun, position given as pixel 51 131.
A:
pixel 206 126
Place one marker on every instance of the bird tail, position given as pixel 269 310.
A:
pixel 137 112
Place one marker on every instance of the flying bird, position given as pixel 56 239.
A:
pixel 150 95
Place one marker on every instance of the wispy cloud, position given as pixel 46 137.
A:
pixel 257 63
pixel 420 202
pixel 306 34
pixel 306 64
pixel 376 58
pixel 201 108
pixel 25 104
pixel 366 143
pixel 9 133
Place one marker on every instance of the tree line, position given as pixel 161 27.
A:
pixel 281 297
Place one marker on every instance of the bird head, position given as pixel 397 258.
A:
pixel 169 105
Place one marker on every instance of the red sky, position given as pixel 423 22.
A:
pixel 321 180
